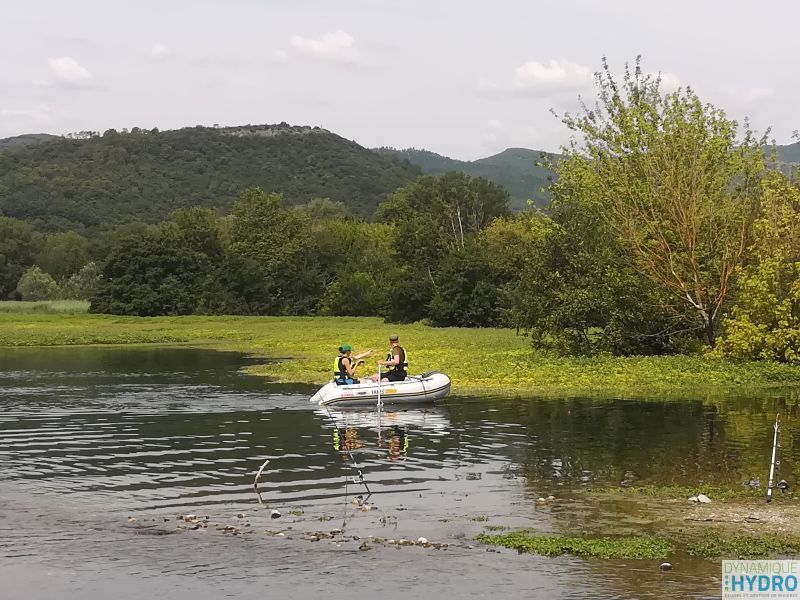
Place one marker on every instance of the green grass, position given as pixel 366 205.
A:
pixel 479 360
pixel 636 547
pixel 45 306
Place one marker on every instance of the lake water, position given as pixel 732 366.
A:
pixel 102 449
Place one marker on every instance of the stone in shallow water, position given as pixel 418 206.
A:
pixel 702 498
pixel 665 566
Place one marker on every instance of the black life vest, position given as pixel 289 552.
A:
pixel 401 367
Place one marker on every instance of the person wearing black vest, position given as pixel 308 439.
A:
pixel 396 361
pixel 345 365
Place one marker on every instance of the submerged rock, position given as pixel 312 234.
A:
pixel 665 566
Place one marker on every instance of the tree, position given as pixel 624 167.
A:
pixel 83 284
pixel 468 291
pixel 765 320
pixel 63 254
pixel 433 217
pixel 35 284
pixel 280 241
pixel 19 243
pixel 199 229
pixel 152 274
pixel 437 215
pixel 677 184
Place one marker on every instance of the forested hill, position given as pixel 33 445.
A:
pixel 789 153
pixel 21 141
pixel 515 169
pixel 99 181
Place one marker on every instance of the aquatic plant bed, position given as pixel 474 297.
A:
pixel 477 360
pixel 636 547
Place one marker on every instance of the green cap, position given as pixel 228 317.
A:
pixel 345 348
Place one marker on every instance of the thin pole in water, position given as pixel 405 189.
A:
pixel 774 454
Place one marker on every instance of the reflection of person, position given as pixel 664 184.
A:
pixel 397 442
pixel 346 439
pixel 396 361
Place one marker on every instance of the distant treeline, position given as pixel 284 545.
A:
pixel 91 181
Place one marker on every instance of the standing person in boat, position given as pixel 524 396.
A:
pixel 345 365
pixel 396 361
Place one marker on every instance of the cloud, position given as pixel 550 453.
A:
pixel 541 80
pixel 336 47
pixel 159 50
pixel 558 76
pixel 69 72
pixel 26 116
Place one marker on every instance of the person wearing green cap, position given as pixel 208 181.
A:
pixel 345 365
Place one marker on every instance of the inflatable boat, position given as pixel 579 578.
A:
pixel 415 389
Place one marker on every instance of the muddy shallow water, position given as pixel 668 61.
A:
pixel 102 449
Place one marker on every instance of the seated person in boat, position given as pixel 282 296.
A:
pixel 345 365
pixel 396 362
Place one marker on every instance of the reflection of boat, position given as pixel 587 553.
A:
pixel 415 389
pixel 430 419
pixel 354 429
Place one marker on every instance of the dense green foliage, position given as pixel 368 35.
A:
pixel 19 243
pixel 765 322
pixel 99 181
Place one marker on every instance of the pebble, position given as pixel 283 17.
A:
pixel 422 540
pixel 665 566
pixel 275 514
pixel 703 499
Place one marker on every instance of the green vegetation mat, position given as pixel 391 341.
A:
pixel 494 360
pixel 638 547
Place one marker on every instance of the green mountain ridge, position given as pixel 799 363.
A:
pixel 25 140
pixel 89 181
pixel 516 169
pixel 98 181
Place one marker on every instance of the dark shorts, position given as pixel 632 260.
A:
pixel 343 381
pixel 392 376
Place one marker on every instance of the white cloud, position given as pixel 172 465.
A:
pixel 541 80
pixel 558 76
pixel 68 71
pixel 159 50
pixel 337 47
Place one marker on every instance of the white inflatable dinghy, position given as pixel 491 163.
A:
pixel 415 389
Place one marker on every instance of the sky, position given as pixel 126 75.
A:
pixel 463 78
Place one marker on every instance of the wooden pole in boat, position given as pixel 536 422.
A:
pixel 774 452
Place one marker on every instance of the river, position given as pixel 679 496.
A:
pixel 128 473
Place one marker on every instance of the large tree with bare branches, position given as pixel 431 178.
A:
pixel 678 184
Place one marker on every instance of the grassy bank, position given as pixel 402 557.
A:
pixel 476 359
pixel 45 306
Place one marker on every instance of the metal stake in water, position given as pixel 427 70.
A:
pixel 774 454
pixel 380 403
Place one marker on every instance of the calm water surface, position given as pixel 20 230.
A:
pixel 102 448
